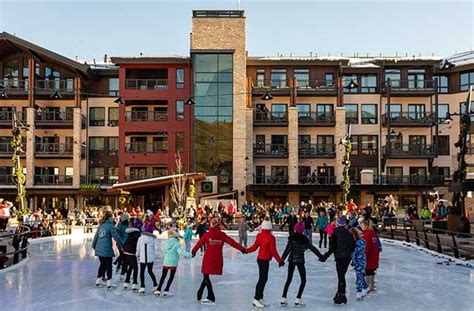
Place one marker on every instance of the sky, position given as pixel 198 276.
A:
pixel 89 29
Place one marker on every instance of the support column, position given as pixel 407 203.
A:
pixel 30 148
pixel 340 133
pixel 249 146
pixel 293 145
pixel 294 199
pixel 31 82
pixel 76 149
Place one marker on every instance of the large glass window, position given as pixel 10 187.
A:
pixel 416 111
pixel 160 143
pixel 96 145
pixel 10 73
pixel 97 116
pixel 279 111
pixel 304 111
pixel 113 116
pixel 179 78
pixel 416 78
pixel 369 145
pixel 466 79
pixel 278 77
pixel 368 83
pixel 113 86
pixel 325 111
pixel 394 76
pixel 329 79
pixel 442 82
pixel 347 78
pixel 302 77
pixel 260 77
pixel 369 114
pixel 443 110
pixel 113 146
pixel 179 110
pixel 352 113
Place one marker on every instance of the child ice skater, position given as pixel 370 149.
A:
pixel 200 231
pixel 188 236
pixel 171 249
pixel 358 261
pixel 321 224
pixel 297 244
pixel 130 251
pixel 213 261
pixel 146 247
pixel 266 245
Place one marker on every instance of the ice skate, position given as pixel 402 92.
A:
pixel 167 294
pixel 206 301
pixel 283 302
pixel 154 289
pixel 340 299
pixel 157 293
pixel 134 287
pixel 99 282
pixel 264 303
pixel 126 285
pixel 360 296
pixel 110 284
pixel 141 290
pixel 256 303
pixel 299 304
pixel 365 291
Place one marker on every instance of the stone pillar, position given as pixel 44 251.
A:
pixel 367 177
pixel 30 148
pixel 294 199
pixel 341 129
pixel 76 149
pixel 293 145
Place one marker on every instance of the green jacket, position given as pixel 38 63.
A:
pixel 322 222
pixel 102 243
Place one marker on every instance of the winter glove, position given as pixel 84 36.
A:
pixel 281 264
pixel 244 251
pixel 194 255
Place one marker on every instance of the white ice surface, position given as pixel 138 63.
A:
pixel 60 275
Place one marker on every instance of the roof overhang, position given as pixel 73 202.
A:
pixel 150 60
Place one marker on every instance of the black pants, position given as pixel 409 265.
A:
pixel 206 282
pixel 105 266
pixel 203 247
pixel 323 235
pixel 291 269
pixel 341 266
pixel 163 277
pixel 132 266
pixel 143 266
pixel 263 267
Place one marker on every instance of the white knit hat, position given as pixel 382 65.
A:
pixel 266 225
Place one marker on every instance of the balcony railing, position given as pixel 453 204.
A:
pixel 270 180
pixel 316 119
pixel 315 87
pixel 54 118
pixel 317 150
pixel 270 150
pixel 6 117
pixel 14 86
pixel 103 180
pixel 48 86
pixel 409 180
pixel 146 84
pixel 53 150
pixel 6 149
pixel 146 116
pixel 270 118
pixel 145 148
pixel 53 180
pixel 6 180
pixel 413 87
pixel 141 177
pixel 409 119
pixel 317 180
pixel 409 151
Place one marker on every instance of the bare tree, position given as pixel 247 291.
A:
pixel 178 189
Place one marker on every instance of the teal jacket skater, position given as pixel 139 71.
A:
pixel 122 230
pixel 322 222
pixel 171 249
pixel 102 242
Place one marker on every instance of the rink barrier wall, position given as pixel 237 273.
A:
pixel 18 241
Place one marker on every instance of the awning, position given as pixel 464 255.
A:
pixel 151 183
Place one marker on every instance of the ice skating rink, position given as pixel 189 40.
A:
pixel 60 275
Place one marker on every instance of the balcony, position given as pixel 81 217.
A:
pixel 6 150
pixel 408 119
pixel 102 180
pixel 409 180
pixel 270 180
pixel 317 180
pixel 261 150
pixel 53 150
pixel 6 180
pixel 49 86
pixel 270 118
pixel 276 87
pixel 409 88
pixel 146 84
pixel 54 119
pixel 316 87
pixel 316 119
pixel 13 86
pixel 6 118
pixel 146 116
pixel 60 180
pixel 409 151
pixel 145 148
pixel 317 151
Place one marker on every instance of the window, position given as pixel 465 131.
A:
pixel 466 79
pixel 113 146
pixel 416 111
pixel 416 78
pixel 160 171
pixel 179 78
pixel 355 144
pixel 302 77
pixel 160 144
pixel 260 77
pixel 418 171
pixel 395 170
pixel 369 145
pixel 69 143
pixel 325 175
pixel 279 171
pixel 69 174
pixel 329 79
pixel 369 114
pixel 179 110
pixel 347 78
pixel 442 82
pixel 325 144
pixel 304 174
pixel 96 145
pixel 138 114
pixel 10 73
pixel 444 171
pixel 368 83
pixel 304 111
pixel 97 116
pixel 352 113
pixel 179 141
pixel 137 173
pixel 395 110
pixel 260 174
pixel 278 77
pixel 113 86
pixel 325 112
pixel 443 110
pixel 113 116
pixel 443 144
pixel 113 174
pixel 304 140
pixel 394 76
pixel 279 112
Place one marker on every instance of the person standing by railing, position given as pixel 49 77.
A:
pixel 102 244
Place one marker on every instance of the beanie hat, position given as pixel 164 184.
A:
pixel 138 223
pixel 150 227
pixel 341 221
pixel 266 225
pixel 299 228
pixel 172 234
pixel 124 217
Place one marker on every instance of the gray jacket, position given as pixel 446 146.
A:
pixel 243 228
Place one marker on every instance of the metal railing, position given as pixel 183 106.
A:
pixel 64 86
pixel 317 180
pixel 6 149
pixel 103 180
pixel 409 180
pixel 146 84
pixel 316 118
pixel 53 180
pixel 14 85
pixel 316 85
pixel 413 150
pixel 17 241
pixel 54 117
pixel 409 118
pixel 270 180
pixel 6 117
pixel 141 177
pixel 261 150
pixel 270 118
pixel 274 84
pixel 413 85
pixel 145 147
pixel 316 150
pixel 146 116
pixel 53 149
pixel 6 180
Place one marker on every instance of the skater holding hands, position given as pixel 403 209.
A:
pixel 359 261
pixel 146 248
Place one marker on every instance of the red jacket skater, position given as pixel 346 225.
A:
pixel 371 249
pixel 267 244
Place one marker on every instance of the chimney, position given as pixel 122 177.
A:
pixel 105 58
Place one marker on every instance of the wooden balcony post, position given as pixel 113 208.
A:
pixel 77 91
pixel 31 82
